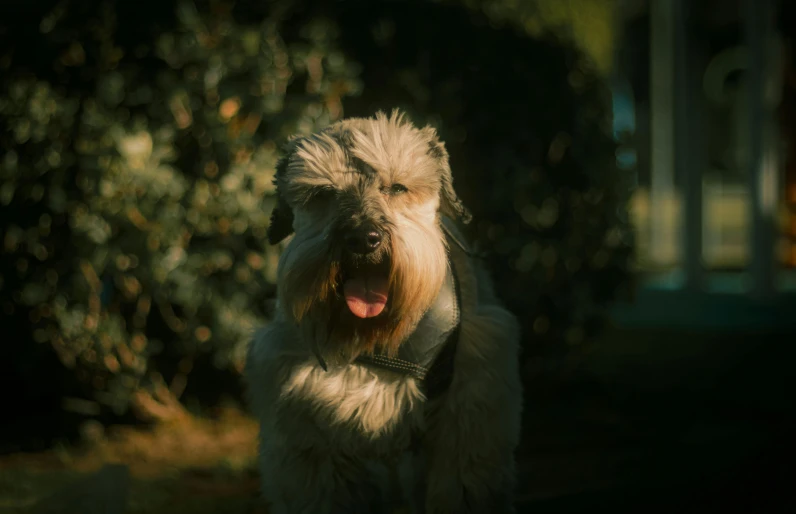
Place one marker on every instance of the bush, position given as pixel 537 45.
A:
pixel 144 170
pixel 139 147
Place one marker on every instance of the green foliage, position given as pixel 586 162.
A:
pixel 589 24
pixel 148 178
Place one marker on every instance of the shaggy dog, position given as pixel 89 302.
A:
pixel 389 374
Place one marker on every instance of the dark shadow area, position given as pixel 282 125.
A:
pixel 667 421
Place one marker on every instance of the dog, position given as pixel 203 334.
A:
pixel 389 376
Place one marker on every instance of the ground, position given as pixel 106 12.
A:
pixel 183 465
pixel 659 423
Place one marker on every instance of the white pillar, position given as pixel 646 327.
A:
pixel 764 162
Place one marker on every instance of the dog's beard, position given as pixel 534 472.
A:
pixel 346 307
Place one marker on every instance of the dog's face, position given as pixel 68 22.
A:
pixel 368 258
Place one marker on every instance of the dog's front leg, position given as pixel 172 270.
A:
pixel 475 427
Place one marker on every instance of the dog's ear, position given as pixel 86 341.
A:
pixel 281 224
pixel 451 205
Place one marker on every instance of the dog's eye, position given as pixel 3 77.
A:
pixel 321 193
pixel 397 189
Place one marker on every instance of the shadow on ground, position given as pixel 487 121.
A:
pixel 665 422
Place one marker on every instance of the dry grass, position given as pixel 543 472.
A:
pixel 180 464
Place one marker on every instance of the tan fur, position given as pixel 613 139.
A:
pixel 341 441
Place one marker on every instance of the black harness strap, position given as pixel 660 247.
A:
pixel 440 376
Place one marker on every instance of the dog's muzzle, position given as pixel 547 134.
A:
pixel 366 269
pixel 363 240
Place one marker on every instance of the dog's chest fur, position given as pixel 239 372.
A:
pixel 373 411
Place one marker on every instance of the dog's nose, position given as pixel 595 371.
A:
pixel 363 240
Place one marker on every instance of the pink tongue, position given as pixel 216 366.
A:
pixel 366 296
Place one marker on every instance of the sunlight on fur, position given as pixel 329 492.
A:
pixel 370 399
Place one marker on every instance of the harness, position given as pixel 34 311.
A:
pixel 428 354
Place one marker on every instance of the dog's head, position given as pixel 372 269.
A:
pixel 368 258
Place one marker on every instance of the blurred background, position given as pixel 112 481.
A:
pixel 631 168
